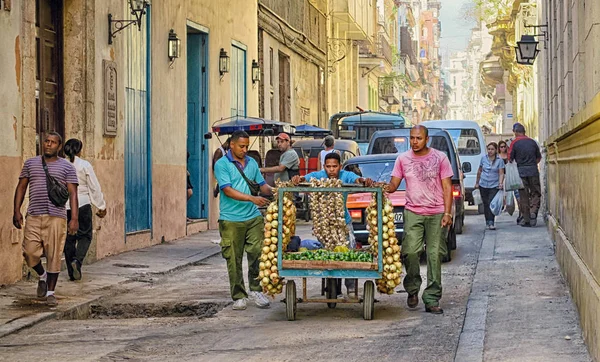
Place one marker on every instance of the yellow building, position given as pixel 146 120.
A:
pixel 137 111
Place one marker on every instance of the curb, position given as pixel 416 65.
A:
pixel 80 310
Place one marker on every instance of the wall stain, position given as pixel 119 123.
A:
pixel 112 54
pixel 108 149
pixel 15 127
pixel 18 61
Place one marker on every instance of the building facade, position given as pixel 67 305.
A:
pixel 569 98
pixel 117 96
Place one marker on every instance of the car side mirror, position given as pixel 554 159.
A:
pixel 208 136
pixel 466 167
pixel 268 132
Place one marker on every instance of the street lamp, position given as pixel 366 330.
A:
pixel 527 47
pixel 174 45
pixel 255 72
pixel 223 62
pixel 521 60
pixel 137 9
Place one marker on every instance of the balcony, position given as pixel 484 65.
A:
pixel 389 92
pixel 406 45
pixel 354 18
pixel 375 54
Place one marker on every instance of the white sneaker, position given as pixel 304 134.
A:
pixel 239 304
pixel 259 299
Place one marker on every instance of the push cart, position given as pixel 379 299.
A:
pixel 330 270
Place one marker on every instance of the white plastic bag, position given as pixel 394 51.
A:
pixel 510 202
pixel 497 203
pixel 512 180
pixel 477 197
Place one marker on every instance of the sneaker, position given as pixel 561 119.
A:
pixel 76 269
pixel 51 300
pixel 533 219
pixel 239 304
pixel 492 227
pixel 259 299
pixel 519 219
pixel 42 289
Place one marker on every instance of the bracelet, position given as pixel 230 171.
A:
pixel 447 214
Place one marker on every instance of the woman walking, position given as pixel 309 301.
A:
pixel 490 179
pixel 88 192
pixel 503 151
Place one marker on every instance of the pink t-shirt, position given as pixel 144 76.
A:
pixel 423 175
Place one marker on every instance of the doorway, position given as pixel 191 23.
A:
pixel 49 70
pixel 285 96
pixel 197 122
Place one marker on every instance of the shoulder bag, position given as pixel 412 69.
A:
pixel 254 187
pixel 57 192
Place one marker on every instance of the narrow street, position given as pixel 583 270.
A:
pixel 504 300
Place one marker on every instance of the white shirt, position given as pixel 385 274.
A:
pixel 88 190
pixel 323 154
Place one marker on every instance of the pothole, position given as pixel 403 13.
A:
pixel 152 310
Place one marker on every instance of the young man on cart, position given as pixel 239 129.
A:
pixel 333 169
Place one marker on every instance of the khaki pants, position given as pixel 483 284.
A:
pixel 44 235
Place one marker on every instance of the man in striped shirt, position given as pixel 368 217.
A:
pixel 46 226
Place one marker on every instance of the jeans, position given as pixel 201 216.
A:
pixel 76 246
pixel 487 195
pixel 418 228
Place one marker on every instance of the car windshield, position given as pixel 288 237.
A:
pixel 401 144
pixel 378 171
pixel 466 140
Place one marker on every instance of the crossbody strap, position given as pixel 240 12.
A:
pixel 45 167
pixel 242 173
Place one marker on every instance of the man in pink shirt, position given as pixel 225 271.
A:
pixel 427 214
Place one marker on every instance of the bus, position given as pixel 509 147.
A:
pixel 360 126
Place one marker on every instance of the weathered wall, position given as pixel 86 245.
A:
pixel 570 127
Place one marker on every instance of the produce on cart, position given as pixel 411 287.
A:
pixel 392 267
pixel 328 211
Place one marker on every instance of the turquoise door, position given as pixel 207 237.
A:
pixel 197 125
pixel 138 180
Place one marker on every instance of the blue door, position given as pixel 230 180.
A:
pixel 197 97
pixel 138 181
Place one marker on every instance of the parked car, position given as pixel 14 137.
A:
pixel 379 168
pixel 469 141
pixel 398 141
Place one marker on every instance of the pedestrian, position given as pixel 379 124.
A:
pixel 526 153
pixel 427 215
pixel 219 152
pixel 503 151
pixel 88 193
pixel 240 223
pixel 45 227
pixel 328 142
pixel 490 179
pixel 333 169
pixel 289 162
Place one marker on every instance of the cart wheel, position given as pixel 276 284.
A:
pixel 290 300
pixel 331 291
pixel 368 300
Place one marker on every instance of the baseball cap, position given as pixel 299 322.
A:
pixel 283 136
pixel 518 127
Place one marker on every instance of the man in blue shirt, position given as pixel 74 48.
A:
pixel 333 169
pixel 240 222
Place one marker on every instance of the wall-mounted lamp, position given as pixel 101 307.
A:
pixel 528 47
pixel 255 72
pixel 223 62
pixel 522 61
pixel 137 9
pixel 174 46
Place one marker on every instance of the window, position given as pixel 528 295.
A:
pixel 238 81
pixel 466 140
pixel 377 171
pixel 271 66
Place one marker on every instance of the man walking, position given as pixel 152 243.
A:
pixel 289 162
pixel 526 153
pixel 46 224
pixel 240 223
pixel 427 215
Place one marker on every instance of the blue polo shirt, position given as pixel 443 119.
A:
pixel 228 176
pixel 347 177
pixel 490 172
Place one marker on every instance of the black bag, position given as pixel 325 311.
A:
pixel 57 192
pixel 254 187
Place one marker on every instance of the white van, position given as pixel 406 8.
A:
pixel 471 146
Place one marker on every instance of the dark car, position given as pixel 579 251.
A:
pixel 379 168
pixel 398 141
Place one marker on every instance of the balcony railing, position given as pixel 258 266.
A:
pixel 389 92
pixel 384 49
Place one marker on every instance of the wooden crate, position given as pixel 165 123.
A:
pixel 328 265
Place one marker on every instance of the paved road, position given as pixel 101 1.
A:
pixel 186 316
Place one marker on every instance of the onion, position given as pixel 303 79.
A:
pixel 265 281
pixel 266 249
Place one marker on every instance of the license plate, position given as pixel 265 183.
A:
pixel 398 217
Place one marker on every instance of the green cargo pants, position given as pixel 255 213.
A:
pixel 235 238
pixel 416 229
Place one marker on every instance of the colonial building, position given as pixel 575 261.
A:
pixel 139 99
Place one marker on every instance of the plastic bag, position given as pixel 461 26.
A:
pixel 477 197
pixel 512 180
pixel 497 203
pixel 510 202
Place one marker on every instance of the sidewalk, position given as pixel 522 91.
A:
pixel 19 307
pixel 519 308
